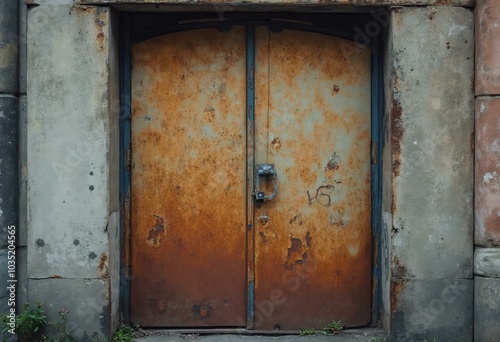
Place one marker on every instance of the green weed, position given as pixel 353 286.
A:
pixel 124 334
pixel 333 328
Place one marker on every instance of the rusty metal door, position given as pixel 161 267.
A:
pixel 312 119
pixel 207 108
pixel 188 179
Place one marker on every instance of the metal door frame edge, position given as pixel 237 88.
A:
pixel 127 38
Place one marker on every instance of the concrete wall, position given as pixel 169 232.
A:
pixel 487 173
pixel 9 118
pixel 72 165
pixel 427 237
pixel 428 175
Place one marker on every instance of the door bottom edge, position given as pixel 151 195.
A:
pixel 241 331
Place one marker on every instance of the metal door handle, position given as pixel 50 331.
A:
pixel 265 170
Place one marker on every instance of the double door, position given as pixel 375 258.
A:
pixel 221 120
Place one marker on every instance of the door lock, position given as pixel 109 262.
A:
pixel 265 170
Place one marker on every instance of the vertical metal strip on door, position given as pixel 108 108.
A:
pixel 189 180
pixel 313 255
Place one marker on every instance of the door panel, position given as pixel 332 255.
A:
pixel 188 180
pixel 313 257
pixel 309 249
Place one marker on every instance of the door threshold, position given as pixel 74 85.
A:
pixel 216 331
pixel 368 330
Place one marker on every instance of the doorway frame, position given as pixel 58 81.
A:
pixel 135 27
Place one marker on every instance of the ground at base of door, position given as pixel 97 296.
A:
pixel 364 335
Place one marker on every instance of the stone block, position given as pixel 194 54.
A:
pixel 432 135
pixel 487 174
pixel 432 310
pixel 487 262
pixel 85 299
pixel 486 309
pixel 22 277
pixel 22 231
pixel 275 4
pixel 69 129
pixel 9 48
pixel 487 47
pixel 23 14
pixel 4 292
pixel 8 164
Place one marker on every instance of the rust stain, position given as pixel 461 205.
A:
pixel 296 220
pixel 158 228
pixel 263 237
pixel 335 89
pixel 276 143
pixel 202 311
pixel 82 9
pixel 398 269
pixel 55 276
pixel 100 38
pixel 308 239
pixel 334 162
pixel 397 287
pixel 210 114
pixel 103 262
pixel 102 268
pixel 298 253
pixel 393 204
pixel 396 136
pixel 295 247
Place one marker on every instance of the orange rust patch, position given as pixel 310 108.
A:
pixel 397 136
pixel 55 276
pixel 188 157
pixel 82 9
pixel 102 262
pixel 276 143
pixel 397 286
pixel 100 37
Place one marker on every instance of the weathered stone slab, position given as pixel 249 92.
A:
pixel 432 113
pixel 487 262
pixel 9 49
pixel 277 3
pixel 85 299
pixel 69 128
pixel 487 47
pixel 487 173
pixel 432 310
pixel 8 164
pixel 4 292
pixel 486 309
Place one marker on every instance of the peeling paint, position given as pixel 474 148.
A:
pixel 155 234
pixel 488 176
